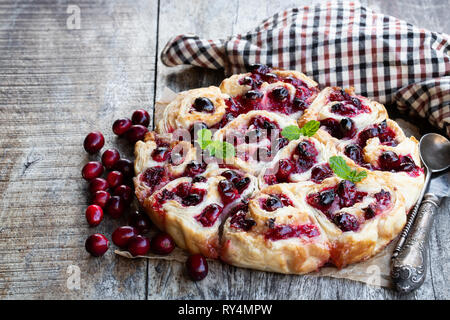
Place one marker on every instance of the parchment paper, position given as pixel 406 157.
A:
pixel 374 271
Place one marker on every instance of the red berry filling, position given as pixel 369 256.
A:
pixel 161 153
pixel 331 199
pixel 209 215
pixel 346 222
pixel 155 177
pixel 203 105
pixel 238 218
pixel 382 131
pixel 382 202
pixel 390 161
pixel 340 129
pixel 281 232
pixel 348 106
pixel 321 172
pixel 275 201
pixel 194 169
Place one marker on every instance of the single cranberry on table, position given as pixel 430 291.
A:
pixel 122 236
pixel 162 243
pixel 98 184
pixel 94 215
pixel 114 178
pixel 97 244
pixel 139 221
pixel 115 207
pixel 141 117
pixel 100 198
pixel 138 245
pixel 125 166
pixel 197 267
pixel 121 126
pixel 91 170
pixel 125 192
pixel 93 142
pixel 135 133
pixel 110 158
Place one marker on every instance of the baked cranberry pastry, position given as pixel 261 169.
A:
pixel 269 173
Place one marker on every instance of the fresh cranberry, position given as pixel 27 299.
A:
pixel 203 105
pixel 97 244
pixel 114 178
pixel 199 179
pixel 253 95
pixel 231 175
pixel 238 217
pixel 121 126
pixel 110 158
pixel 242 184
pixel 98 184
pixel 124 192
pixel 346 222
pixel 115 206
pixel 194 168
pixel 101 198
pixel 326 197
pixel 140 221
pixel 320 173
pixel 306 149
pixel 135 133
pixel 197 267
pixel 162 244
pixel 227 191
pixel 280 94
pixel 138 245
pixel 94 215
pixel 93 142
pixel 141 117
pixel 348 128
pixel 161 154
pixel 209 215
pixel 259 69
pixel 285 168
pixel 92 170
pixel 354 152
pixel 389 160
pixel 122 236
pixel 125 166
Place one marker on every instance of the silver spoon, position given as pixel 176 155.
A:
pixel 408 268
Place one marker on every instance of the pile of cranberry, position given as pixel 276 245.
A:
pixel 112 193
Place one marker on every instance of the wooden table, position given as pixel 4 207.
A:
pixel 57 84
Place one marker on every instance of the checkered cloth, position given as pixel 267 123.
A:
pixel 339 44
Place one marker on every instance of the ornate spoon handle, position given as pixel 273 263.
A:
pixel 408 267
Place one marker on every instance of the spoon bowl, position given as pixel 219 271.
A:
pixel 435 152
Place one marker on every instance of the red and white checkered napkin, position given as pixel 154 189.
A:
pixel 339 44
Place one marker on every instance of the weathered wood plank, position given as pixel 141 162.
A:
pixel 56 85
pixel 168 280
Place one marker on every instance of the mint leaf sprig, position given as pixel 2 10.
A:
pixel 342 170
pixel 219 149
pixel 294 132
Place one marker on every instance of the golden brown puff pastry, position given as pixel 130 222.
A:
pixel 304 215
pixel 273 232
pixel 191 209
pixel 302 159
pixel 203 105
pixel 359 219
pixel 255 135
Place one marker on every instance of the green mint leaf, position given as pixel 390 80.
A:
pixel 339 167
pixel 291 132
pixel 221 149
pixel 342 170
pixel 204 138
pixel 310 128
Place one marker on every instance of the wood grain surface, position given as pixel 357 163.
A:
pixel 58 84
